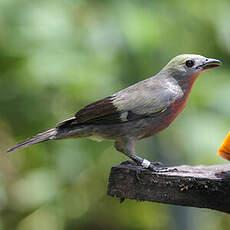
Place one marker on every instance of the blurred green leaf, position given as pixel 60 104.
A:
pixel 57 56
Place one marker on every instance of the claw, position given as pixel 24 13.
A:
pixel 174 170
pixel 157 163
pixel 138 172
pixel 153 168
pixel 126 162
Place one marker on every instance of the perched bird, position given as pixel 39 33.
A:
pixel 136 112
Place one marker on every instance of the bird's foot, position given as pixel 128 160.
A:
pixel 157 163
pixel 154 167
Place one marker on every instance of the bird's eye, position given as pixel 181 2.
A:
pixel 189 63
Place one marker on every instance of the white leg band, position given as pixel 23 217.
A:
pixel 145 163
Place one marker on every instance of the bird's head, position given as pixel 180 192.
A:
pixel 187 66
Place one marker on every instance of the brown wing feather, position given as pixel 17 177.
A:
pixel 97 109
pixel 93 111
pixel 66 122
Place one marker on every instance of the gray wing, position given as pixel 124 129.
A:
pixel 134 102
pixel 147 98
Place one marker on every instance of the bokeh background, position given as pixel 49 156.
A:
pixel 57 56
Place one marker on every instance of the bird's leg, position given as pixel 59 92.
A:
pixel 126 146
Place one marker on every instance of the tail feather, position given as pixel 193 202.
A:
pixel 41 137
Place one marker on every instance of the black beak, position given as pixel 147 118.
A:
pixel 210 63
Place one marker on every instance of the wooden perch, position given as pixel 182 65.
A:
pixel 194 186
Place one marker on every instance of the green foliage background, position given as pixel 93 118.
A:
pixel 57 56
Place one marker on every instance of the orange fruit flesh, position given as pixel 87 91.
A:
pixel 224 150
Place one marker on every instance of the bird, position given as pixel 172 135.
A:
pixel 136 112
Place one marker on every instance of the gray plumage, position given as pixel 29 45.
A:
pixel 136 112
